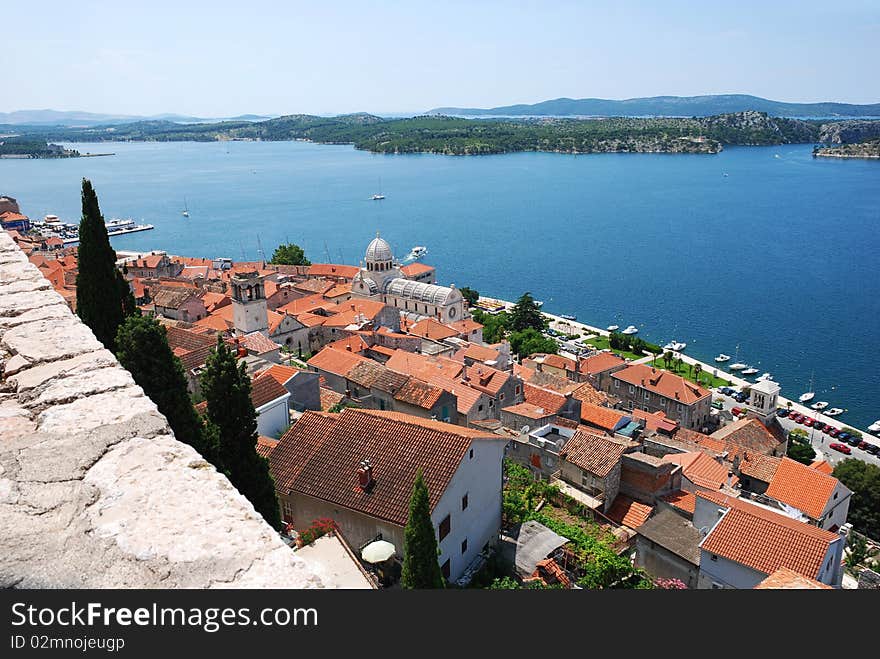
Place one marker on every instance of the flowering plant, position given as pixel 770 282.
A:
pixel 670 584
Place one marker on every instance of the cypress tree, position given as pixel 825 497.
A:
pixel 142 348
pixel 232 420
pixel 420 566
pixel 101 301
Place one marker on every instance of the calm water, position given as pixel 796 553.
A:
pixel 779 256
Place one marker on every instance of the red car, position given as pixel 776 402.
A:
pixel 827 429
pixel 834 432
pixel 843 448
pixel 863 445
pixel 736 411
pixel 809 421
pixel 796 417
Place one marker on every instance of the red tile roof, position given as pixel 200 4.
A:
pixel 179 337
pixel 759 466
pixel 303 305
pixel 750 434
pixel 320 454
pixel 416 392
pixel 602 417
pixel 664 383
pixel 806 489
pixel 429 328
pixel 593 453
pixel 682 500
pixel 465 326
pixel 423 366
pixel 213 301
pixel 528 410
pixel 786 579
pixel 598 363
pixel 353 343
pixel 337 362
pixel 549 400
pixel 281 373
pixel 329 398
pixel 265 445
pixel 256 342
pixel 628 512
pixel 587 393
pixel 486 378
pixel 333 270
pixel 822 466
pixel 701 469
pixel 265 389
pixel 764 540
pixel 413 269
pixel 477 353
pixel 338 290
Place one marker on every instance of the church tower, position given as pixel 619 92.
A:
pixel 249 307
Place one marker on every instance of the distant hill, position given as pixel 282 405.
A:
pixel 669 106
pixel 76 118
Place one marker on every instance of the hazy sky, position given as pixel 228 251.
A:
pixel 223 58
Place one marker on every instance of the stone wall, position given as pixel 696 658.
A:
pixel 95 492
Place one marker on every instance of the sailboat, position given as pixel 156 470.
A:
pixel 809 395
pixel 379 196
pixel 737 365
pixel 185 211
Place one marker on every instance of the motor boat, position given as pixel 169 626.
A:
pixel 821 405
pixel 834 411
pixel 749 371
pixel 763 377
pixel 613 328
pixel 568 316
pixel 632 329
pixel 807 397
pixel 738 367
pixel 874 427
pixel 675 346
pixel 722 358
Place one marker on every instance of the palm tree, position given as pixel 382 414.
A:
pixel 667 357
pixel 698 370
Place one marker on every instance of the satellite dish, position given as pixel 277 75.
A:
pixel 524 429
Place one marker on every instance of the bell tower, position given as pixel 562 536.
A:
pixel 249 307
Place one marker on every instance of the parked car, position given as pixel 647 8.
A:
pixel 797 417
pixel 873 449
pixel 718 405
pixel 834 432
pixel 827 429
pixel 782 411
pixel 843 436
pixel 852 440
pixel 863 445
pixel 736 411
pixel 809 421
pixel 819 426
pixel 843 448
pixel 741 397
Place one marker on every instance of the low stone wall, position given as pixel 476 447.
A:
pixel 95 492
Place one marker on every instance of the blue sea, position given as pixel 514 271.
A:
pixel 779 256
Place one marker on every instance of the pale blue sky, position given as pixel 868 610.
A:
pixel 224 58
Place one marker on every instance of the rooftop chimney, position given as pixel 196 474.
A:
pixel 365 475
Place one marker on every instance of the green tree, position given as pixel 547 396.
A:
pixel 530 341
pixel 798 435
pixel 289 254
pixel 103 297
pixel 803 453
pixel 470 295
pixel 667 357
pixel 420 566
pixel 863 478
pixel 858 549
pixel 494 325
pixel 526 314
pixel 232 425
pixel 142 348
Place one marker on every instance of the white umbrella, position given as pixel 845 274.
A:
pixel 377 551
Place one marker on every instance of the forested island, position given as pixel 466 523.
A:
pixel 27 147
pixel 457 136
pixel 866 149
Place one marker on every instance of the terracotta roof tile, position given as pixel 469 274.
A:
pixel 593 453
pixel 528 410
pixel 353 343
pixel 786 579
pixel 477 353
pixel 549 400
pixel 320 454
pixel 421 394
pixel 258 343
pixel 281 373
pixel 701 469
pixel 764 540
pixel 265 445
pixel 628 512
pixel 750 434
pixel 796 484
pixel 337 362
pixel 587 393
pixel 602 417
pixel 486 378
pixel 413 269
pixel 333 270
pixel 822 466
pixel 598 363
pixel 265 389
pixel 329 398
pixel 759 466
pixel 196 358
pixel 664 383
pixel 303 305
pixel 682 500
pixel 429 328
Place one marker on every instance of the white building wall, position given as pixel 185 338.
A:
pixel 480 478
pixel 273 417
pixel 838 508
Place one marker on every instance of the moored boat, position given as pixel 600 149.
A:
pixel 764 376
pixel 568 316
pixel 675 346
pixel 749 370
pixel 834 411
pixel 722 358
pixel 739 366
pixel 632 329
pixel 821 405
pixel 613 328
pixel 875 427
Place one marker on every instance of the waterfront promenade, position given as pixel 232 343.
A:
pixel 575 327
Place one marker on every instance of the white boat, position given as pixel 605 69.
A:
pixel 739 366
pixel 185 211
pixel 834 411
pixel 416 253
pixel 809 395
pixel 763 376
pixel 821 405
pixel 568 316
pixel 749 371
pixel 675 346
pixel 376 197
pixel 722 358
pixel 613 328
pixel 632 329
pixel 874 427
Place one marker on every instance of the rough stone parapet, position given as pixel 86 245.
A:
pixel 95 491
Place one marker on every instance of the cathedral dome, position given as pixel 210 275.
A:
pixel 378 250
